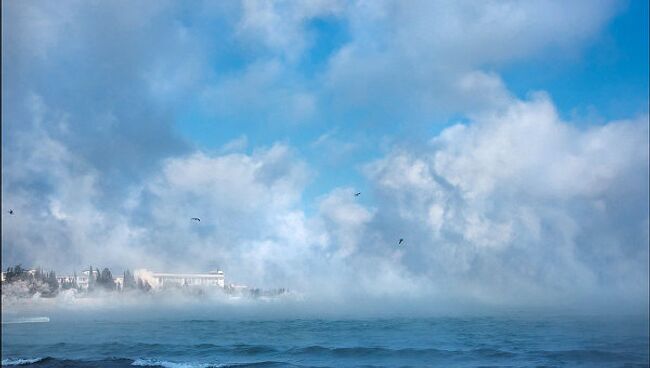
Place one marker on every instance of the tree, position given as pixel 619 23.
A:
pixel 129 280
pixel 16 273
pixel 52 284
pixel 74 280
pixel 91 279
pixel 38 275
pixel 105 279
pixel 51 280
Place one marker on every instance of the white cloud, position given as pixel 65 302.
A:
pixel 280 25
pixel 512 145
pixel 57 219
pixel 265 90
pixel 236 145
pixel 345 220
pixel 427 57
pixel 520 204
pixel 405 60
pixel 517 206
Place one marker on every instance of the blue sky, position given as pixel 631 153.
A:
pixel 507 140
pixel 605 78
pixel 608 78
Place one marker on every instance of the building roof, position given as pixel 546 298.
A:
pixel 187 275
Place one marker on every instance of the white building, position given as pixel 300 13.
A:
pixel 119 282
pixel 64 280
pixel 212 278
pixel 82 280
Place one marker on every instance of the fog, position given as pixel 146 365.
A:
pixel 173 306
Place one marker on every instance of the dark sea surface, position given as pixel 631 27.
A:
pixel 431 342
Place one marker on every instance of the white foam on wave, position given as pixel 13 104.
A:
pixel 6 362
pixel 27 320
pixel 166 364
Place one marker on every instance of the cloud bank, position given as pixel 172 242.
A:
pixel 512 206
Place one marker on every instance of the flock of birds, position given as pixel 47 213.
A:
pixel 196 219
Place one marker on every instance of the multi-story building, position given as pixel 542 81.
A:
pixel 212 278
pixel 82 279
pixel 65 280
pixel 155 279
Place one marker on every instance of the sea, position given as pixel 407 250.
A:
pixel 485 341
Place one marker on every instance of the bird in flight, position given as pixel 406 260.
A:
pixel 400 241
pixel 357 194
pixel 11 212
pixel 196 219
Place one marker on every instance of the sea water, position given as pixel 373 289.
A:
pixel 557 341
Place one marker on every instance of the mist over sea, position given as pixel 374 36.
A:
pixel 289 333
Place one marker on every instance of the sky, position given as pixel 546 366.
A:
pixel 506 142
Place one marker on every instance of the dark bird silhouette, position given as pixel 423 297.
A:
pixel 11 212
pixel 400 241
pixel 196 219
pixel 357 194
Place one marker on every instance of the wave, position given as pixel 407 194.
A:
pixel 324 354
pixel 156 349
pixel 27 320
pixel 51 362
pixel 586 355
pixel 168 364
pixel 244 350
pixel 354 352
pixel 9 362
pixel 146 352
pixel 252 349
